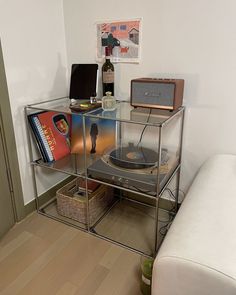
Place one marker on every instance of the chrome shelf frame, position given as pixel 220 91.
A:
pixel 62 105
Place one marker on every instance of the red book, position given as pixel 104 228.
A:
pixel 52 131
pixel 91 185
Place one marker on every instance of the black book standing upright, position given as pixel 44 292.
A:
pixel 83 82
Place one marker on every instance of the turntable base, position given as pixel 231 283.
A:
pixel 140 181
pixel 131 166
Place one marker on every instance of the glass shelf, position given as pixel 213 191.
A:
pixel 56 105
pixel 123 112
pixel 126 113
pixel 133 224
pixel 71 164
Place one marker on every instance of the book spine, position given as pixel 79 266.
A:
pixel 37 139
pixel 43 139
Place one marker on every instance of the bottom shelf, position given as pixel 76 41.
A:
pixel 132 225
pixel 50 210
pixel 126 222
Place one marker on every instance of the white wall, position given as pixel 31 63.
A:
pixel 33 41
pixel 194 40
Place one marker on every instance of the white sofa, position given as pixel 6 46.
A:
pixel 198 255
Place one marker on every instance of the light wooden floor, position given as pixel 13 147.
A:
pixel 43 256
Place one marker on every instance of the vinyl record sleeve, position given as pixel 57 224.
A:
pixel 52 134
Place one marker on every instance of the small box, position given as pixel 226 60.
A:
pixel 72 202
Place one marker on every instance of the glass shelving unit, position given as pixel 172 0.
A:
pixel 134 156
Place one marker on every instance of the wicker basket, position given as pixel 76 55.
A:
pixel 71 202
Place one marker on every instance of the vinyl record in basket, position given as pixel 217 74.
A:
pixel 133 157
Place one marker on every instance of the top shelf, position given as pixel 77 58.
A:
pixel 126 113
pixel 58 105
pixel 123 112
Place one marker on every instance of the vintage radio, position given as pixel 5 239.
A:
pixel 157 93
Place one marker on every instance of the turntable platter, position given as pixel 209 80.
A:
pixel 133 157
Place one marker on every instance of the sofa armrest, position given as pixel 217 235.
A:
pixel 198 255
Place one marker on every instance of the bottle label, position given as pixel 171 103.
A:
pixel 146 281
pixel 108 77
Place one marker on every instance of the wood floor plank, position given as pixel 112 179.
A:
pixel 38 264
pixel 111 256
pixel 43 256
pixel 48 229
pixel 59 269
pixel 131 284
pixel 67 289
pixel 125 266
pixel 93 281
pixel 75 263
pixel 91 255
pixel 14 244
pixel 19 260
pixel 16 230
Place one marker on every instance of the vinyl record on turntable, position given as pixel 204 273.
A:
pixel 133 157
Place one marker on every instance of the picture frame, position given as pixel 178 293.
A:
pixel 123 36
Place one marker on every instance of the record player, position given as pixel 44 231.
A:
pixel 131 166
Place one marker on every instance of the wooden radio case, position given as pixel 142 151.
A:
pixel 157 93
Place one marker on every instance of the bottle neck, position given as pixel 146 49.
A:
pixel 108 60
pixel 108 53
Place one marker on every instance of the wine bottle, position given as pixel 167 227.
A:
pixel 108 73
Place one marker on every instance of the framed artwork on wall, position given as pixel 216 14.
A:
pixel 123 36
